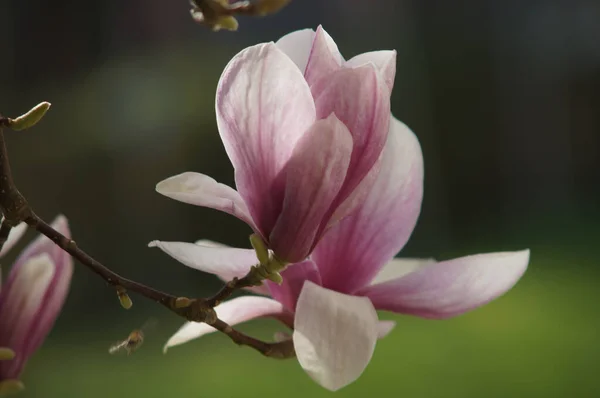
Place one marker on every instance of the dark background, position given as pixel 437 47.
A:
pixel 504 97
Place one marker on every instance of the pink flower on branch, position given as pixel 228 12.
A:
pixel 304 132
pixel 31 297
pixel 330 299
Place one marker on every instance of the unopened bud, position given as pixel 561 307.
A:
pixel 6 354
pixel 124 298
pixel 262 253
pixel 10 386
pixel 265 7
pixel 227 23
pixel 31 118
pixel 182 302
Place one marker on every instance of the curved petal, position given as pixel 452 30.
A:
pixel 452 287
pixel 313 180
pixel 352 253
pixel 334 335
pixel 206 256
pixel 399 267
pixel 15 234
pixel 324 57
pixel 225 262
pixel 264 106
pixel 297 46
pixel 294 277
pixel 384 61
pixel 238 310
pixel 202 190
pixel 359 98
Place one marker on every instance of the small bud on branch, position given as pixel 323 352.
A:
pixel 220 14
pixel 30 118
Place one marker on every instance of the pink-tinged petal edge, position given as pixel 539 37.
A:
pixel 384 61
pixel 362 243
pixel 314 176
pixel 263 106
pixel 359 98
pixel 294 277
pixel 235 311
pixel 202 190
pixel 324 57
pixel 452 287
pixel 334 336
pixel 223 261
pixel 15 234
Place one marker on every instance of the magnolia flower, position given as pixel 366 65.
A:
pixel 31 299
pixel 304 130
pixel 330 299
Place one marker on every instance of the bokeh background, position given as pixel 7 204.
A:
pixel 504 97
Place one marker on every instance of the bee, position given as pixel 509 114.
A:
pixel 134 341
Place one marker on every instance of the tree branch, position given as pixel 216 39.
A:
pixel 15 209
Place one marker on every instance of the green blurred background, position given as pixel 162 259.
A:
pixel 504 97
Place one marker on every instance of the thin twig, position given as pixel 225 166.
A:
pixel 15 209
pixel 280 350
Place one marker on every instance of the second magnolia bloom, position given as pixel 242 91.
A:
pixel 330 298
pixel 31 298
pixel 304 135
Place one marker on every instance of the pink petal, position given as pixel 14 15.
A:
pixel 15 234
pixel 452 287
pixel 352 253
pixel 359 98
pixel 201 190
pixel 324 57
pixel 384 61
pixel 297 46
pixel 399 267
pixel 238 310
pixel 294 277
pixel 314 177
pixel 334 335
pixel 264 106
pixel 54 296
pixel 21 303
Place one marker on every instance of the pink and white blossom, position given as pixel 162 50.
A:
pixel 304 134
pixel 330 298
pixel 32 296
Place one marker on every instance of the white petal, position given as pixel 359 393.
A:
pixel 202 190
pixel 399 267
pixel 214 258
pixel 334 336
pixel 297 45
pixel 238 310
pixel 226 262
pixel 15 234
